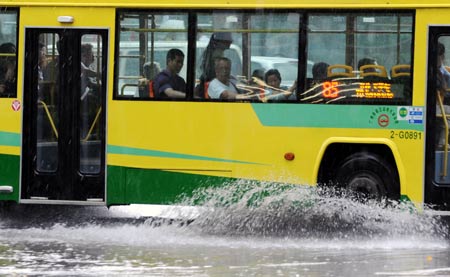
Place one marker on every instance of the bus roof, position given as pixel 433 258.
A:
pixel 317 4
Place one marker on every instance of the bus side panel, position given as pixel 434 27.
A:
pixel 142 186
pixel 115 189
pixel 9 176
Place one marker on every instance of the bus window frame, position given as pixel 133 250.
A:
pixel 303 14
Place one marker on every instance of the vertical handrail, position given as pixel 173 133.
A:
pixel 444 118
pixel 93 124
pixel 49 116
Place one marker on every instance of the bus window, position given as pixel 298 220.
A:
pixel 364 50
pixel 253 42
pixel 8 52
pixel 145 39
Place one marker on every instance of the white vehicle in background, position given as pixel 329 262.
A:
pixel 129 71
pixel 286 66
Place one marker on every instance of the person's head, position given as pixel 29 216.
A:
pixel 151 69
pixel 7 63
pixel 175 60
pixel 367 61
pixel 222 68
pixel 320 71
pixel 42 55
pixel 87 55
pixel 8 48
pixel 273 78
pixel 258 73
pixel 221 40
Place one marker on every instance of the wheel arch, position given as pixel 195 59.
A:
pixel 335 151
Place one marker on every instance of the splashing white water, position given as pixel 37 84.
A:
pixel 268 209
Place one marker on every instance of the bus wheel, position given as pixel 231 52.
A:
pixel 367 176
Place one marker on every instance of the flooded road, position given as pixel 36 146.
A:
pixel 287 232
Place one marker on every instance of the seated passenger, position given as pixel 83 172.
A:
pixel 222 87
pixel 256 83
pixel 258 74
pixel 218 43
pixel 367 61
pixel 168 84
pixel 151 70
pixel 145 85
pixel 275 91
pixel 320 71
pixel 7 69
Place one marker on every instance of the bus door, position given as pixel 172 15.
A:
pixel 437 184
pixel 63 154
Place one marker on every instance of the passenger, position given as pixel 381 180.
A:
pixel 89 76
pixel 222 87
pixel 441 66
pixel 42 63
pixel 367 61
pixel 275 90
pixel 258 74
pixel 218 43
pixel 150 71
pixel 168 84
pixel 320 71
pixel 90 96
pixel 43 85
pixel 7 69
pixel 442 81
pixel 52 68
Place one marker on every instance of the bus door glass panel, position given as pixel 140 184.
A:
pixel 90 105
pixel 442 168
pixel 47 90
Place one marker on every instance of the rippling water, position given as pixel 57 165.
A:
pixel 244 229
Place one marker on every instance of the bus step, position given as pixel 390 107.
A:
pixel 94 200
pixel 38 198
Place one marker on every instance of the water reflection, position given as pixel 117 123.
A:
pixel 244 230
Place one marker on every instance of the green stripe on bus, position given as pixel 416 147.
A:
pixel 142 186
pixel 339 116
pixel 9 176
pixel 122 150
pixel 9 139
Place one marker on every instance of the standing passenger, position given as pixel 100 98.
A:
pixel 217 45
pixel 442 81
pixel 168 84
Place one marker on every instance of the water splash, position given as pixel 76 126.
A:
pixel 268 209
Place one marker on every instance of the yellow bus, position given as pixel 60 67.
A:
pixel 337 93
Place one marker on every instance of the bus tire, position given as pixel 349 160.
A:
pixel 368 176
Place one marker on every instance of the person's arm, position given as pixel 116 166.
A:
pixel 226 94
pixel 170 92
pixel 293 87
